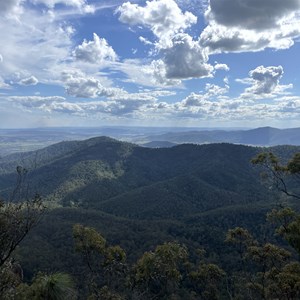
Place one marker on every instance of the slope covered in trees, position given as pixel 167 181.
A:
pixel 102 173
pixel 140 198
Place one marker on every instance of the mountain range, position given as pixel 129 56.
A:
pixel 263 136
pixel 127 180
pixel 23 140
pixel 139 197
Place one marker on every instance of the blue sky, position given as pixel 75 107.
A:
pixel 230 63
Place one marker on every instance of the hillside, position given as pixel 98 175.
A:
pixel 140 197
pixel 127 180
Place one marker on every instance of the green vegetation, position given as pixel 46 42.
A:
pixel 125 222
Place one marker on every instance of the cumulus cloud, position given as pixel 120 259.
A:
pixel 35 101
pixel 223 67
pixel 145 96
pixel 264 80
pixel 248 14
pixel 163 17
pixel 206 99
pixel 158 73
pixel 121 105
pixel 29 81
pixel 146 73
pixel 195 100
pixel 221 39
pixel 247 25
pixel 96 108
pixel 186 59
pixel 96 51
pixel 80 85
pixel 194 108
pixel 215 90
pixel 181 57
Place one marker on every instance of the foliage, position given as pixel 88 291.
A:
pixel 16 220
pixel 278 173
pixel 143 199
pixel 57 286
pixel 157 273
pixel 106 264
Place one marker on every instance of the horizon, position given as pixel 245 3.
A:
pixel 157 63
pixel 146 127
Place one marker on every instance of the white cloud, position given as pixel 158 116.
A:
pixel 146 73
pixel 223 67
pixel 145 41
pixel 4 85
pixel 215 90
pixel 226 80
pixel 266 79
pixel 121 105
pixel 158 74
pixel 52 3
pixel 163 17
pixel 195 100
pixel 80 85
pixel 209 106
pixel 34 44
pixel 35 101
pixel 247 25
pixel 29 81
pixel 63 107
pixel 221 39
pixel 186 59
pixel 96 52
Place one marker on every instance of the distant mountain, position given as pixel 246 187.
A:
pixel 24 140
pixel 132 181
pixel 264 136
pixel 159 144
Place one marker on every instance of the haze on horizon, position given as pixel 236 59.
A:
pixel 197 63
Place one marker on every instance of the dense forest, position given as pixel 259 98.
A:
pixel 103 219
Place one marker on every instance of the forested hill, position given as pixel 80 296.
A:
pixel 131 181
pixel 139 198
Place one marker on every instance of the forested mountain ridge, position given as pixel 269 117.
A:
pixel 140 197
pixel 125 179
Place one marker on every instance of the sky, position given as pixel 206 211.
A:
pixel 197 63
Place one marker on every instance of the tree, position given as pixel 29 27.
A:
pixel 106 265
pixel 267 271
pixel 287 220
pixel 157 273
pixel 18 216
pixel 207 279
pixel 279 174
